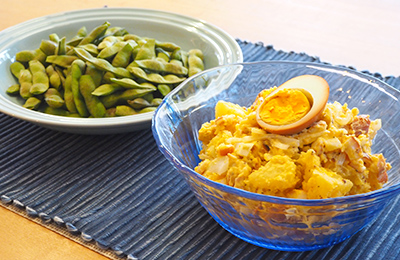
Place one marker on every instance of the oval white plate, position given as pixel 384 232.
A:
pixel 219 48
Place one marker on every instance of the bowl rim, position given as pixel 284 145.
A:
pixel 207 29
pixel 388 191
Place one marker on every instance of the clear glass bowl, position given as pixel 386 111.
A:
pixel 268 221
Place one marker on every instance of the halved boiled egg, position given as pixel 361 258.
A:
pixel 294 105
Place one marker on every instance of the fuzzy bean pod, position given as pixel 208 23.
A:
pixel 94 105
pixel 40 80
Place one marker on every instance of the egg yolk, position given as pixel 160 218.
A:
pixel 285 107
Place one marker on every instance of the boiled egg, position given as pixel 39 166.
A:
pixel 294 105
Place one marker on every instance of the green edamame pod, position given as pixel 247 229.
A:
pixel 61 47
pixel 147 110
pixel 32 103
pixel 162 67
pixel 25 82
pixel 176 55
pixel 130 83
pixel 124 110
pixel 109 41
pixel 68 95
pixel 116 31
pixel 13 89
pixel 107 77
pixel 123 57
pixel 40 80
pixel 95 34
pixel 132 37
pixel 106 89
pixel 138 103
pixel 28 55
pixel 123 96
pixel 162 55
pixel 59 112
pixel 156 102
pixel 167 46
pixel 54 77
pixel 164 89
pixel 16 67
pixel 156 78
pixel 61 60
pixel 82 32
pixel 96 74
pixel 149 97
pixel 48 47
pixel 147 51
pixel 94 106
pixel 54 38
pixel 102 64
pixel 53 98
pixel 90 47
pixel 77 67
pixel 110 51
pixel 61 75
pixel 195 61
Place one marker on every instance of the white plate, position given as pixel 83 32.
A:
pixel 219 48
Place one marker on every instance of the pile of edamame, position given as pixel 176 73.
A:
pixel 102 73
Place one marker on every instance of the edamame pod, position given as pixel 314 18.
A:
pixel 48 47
pixel 156 78
pixel 40 80
pixel 123 96
pixel 32 103
pixel 61 60
pixel 96 74
pixel 61 47
pixel 110 51
pixel 195 61
pixel 147 110
pixel 25 82
pixel 16 67
pixel 53 98
pixel 123 57
pixel 106 89
pixel 130 83
pixel 116 31
pixel 28 55
pixel 164 89
pixel 54 37
pixel 13 89
pixel 94 106
pixel 54 77
pixel 109 41
pixel 82 32
pixel 102 64
pixel 147 51
pixel 95 34
pixel 124 110
pixel 68 95
pixel 77 67
pixel 91 48
pixel 59 112
pixel 162 67
pixel 138 103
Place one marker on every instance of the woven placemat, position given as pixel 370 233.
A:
pixel 119 193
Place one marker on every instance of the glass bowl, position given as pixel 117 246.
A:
pixel 268 221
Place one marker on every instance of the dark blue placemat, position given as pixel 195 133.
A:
pixel 118 191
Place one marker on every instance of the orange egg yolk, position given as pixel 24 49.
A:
pixel 285 107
